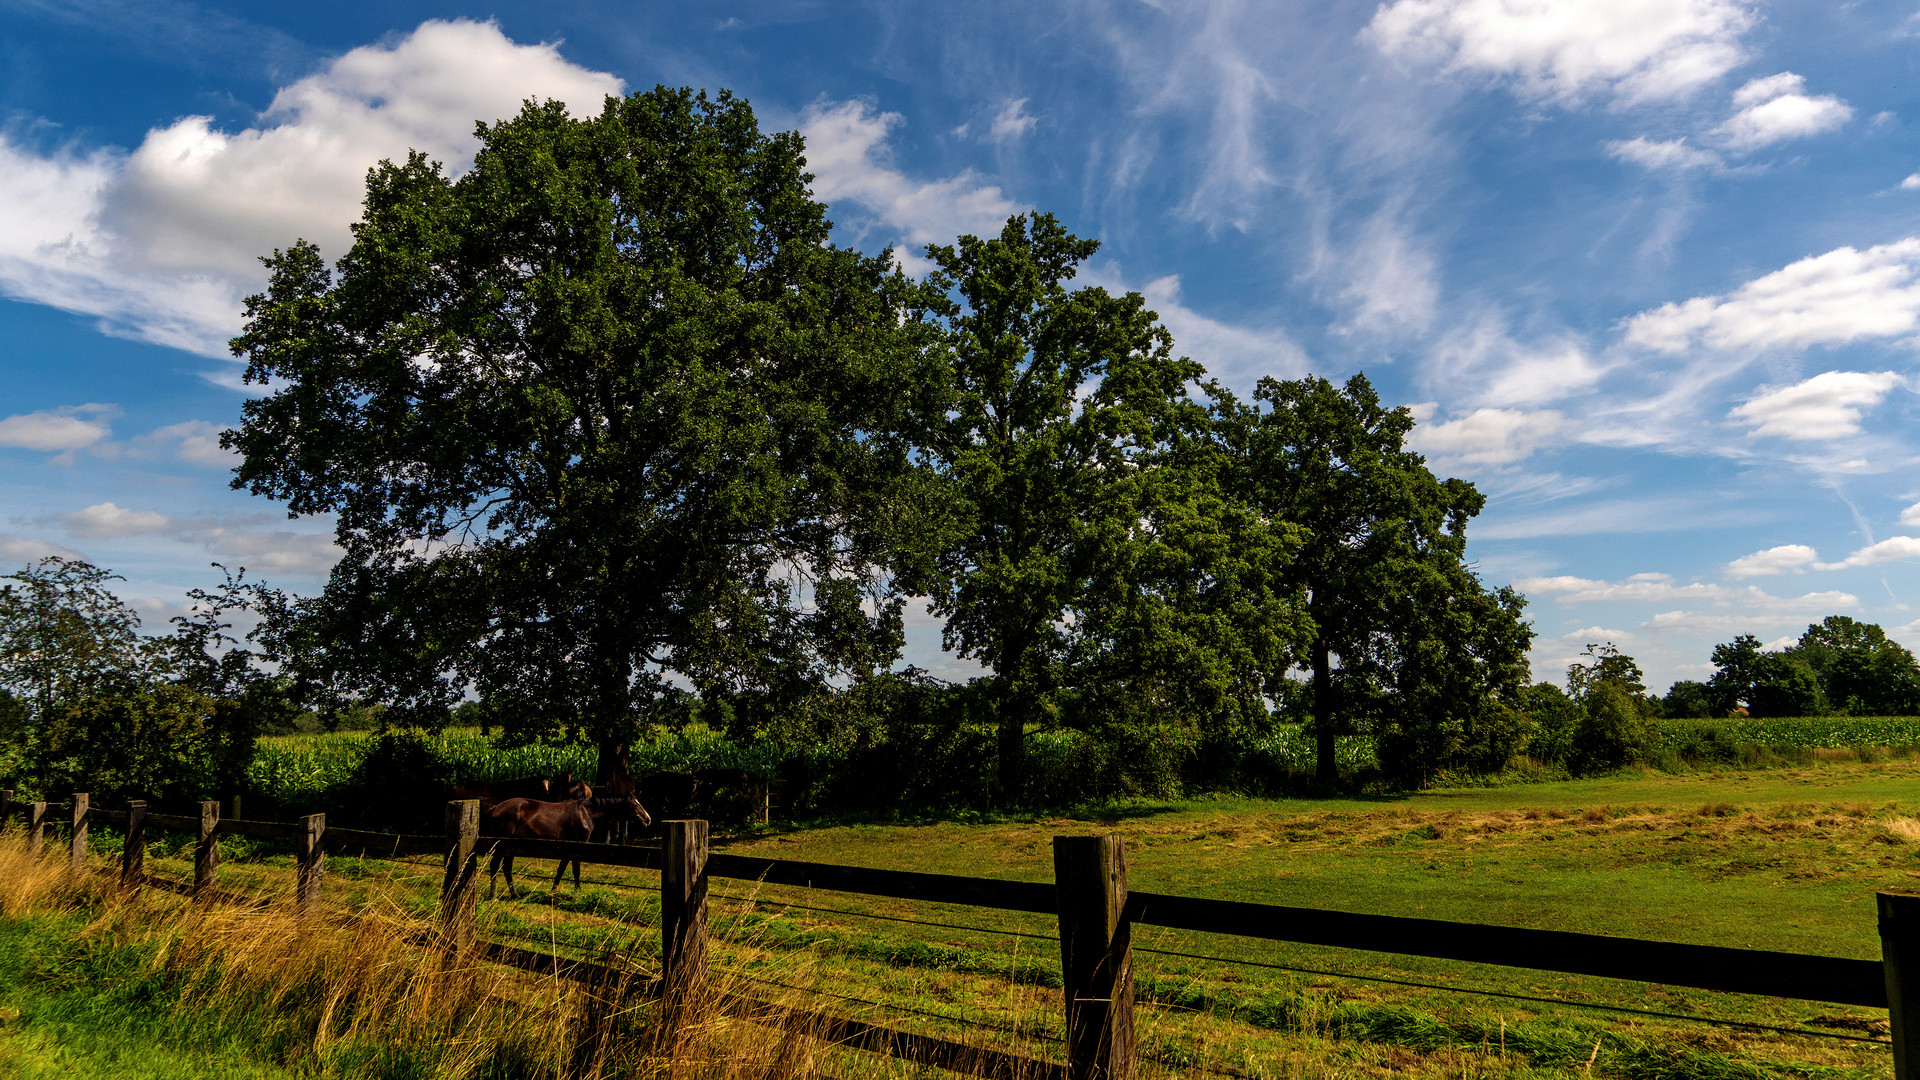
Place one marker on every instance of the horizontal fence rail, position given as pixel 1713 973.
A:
pixel 1090 897
pixel 1702 967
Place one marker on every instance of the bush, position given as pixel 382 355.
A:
pixel 161 743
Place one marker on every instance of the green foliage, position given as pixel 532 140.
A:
pixel 1553 715
pixel 64 635
pixel 161 742
pixel 1765 684
pixel 580 415
pixel 1859 669
pixel 1611 730
pixel 1424 651
pixel 1688 700
pixel 1082 543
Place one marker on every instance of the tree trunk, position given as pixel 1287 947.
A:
pixel 1013 747
pixel 1324 771
pixel 616 760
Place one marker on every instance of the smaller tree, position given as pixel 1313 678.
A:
pixel 1764 683
pixel 1688 700
pixel 1613 726
pixel 1859 669
pixel 64 635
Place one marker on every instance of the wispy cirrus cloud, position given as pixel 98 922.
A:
pixel 849 153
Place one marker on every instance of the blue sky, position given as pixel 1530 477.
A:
pixel 1647 270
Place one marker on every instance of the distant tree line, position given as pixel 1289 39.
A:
pixel 1604 718
pixel 1839 666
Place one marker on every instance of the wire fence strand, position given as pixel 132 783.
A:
pixel 1691 1017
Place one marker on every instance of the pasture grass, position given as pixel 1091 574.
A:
pixel 1779 859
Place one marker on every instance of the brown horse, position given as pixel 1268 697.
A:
pixel 574 819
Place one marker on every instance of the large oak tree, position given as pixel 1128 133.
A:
pixel 605 412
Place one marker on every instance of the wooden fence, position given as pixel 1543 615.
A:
pixel 1089 896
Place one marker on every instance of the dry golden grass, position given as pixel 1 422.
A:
pixel 373 992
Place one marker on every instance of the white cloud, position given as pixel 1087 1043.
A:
pixel 1888 550
pixel 1774 110
pixel 1485 436
pixel 73 427
pixel 1483 363
pixel 1911 183
pixel 18 550
pixel 162 243
pixel 195 442
pixel 1595 634
pixel 1012 122
pixel 1641 587
pixel 1841 296
pixel 1827 406
pixel 277 551
pixel 107 521
pixel 1661 588
pixel 1567 50
pixel 273 552
pixel 1237 355
pixel 1391 278
pixel 1911 515
pixel 1671 155
pixel 1774 560
pixel 848 154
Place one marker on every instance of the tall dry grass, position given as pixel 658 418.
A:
pixel 372 994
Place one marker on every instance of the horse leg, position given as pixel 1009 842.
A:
pixel 506 867
pixel 493 868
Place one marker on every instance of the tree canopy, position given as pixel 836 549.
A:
pixel 1073 532
pixel 1394 611
pixel 606 410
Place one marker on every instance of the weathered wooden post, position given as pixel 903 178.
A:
pixel 1096 956
pixel 77 852
pixel 1900 959
pixel 233 809
pixel 311 859
pixel 133 857
pixel 6 808
pixel 456 888
pixel 683 913
pixel 36 827
pixel 206 852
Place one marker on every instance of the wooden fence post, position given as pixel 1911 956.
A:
pixel 77 852
pixel 1900 959
pixel 1096 956
pixel 206 852
pixel 683 912
pixel 233 812
pixel 311 859
pixel 36 827
pixel 133 857
pixel 6 808
pixel 456 888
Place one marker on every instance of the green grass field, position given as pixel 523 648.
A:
pixel 1785 859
